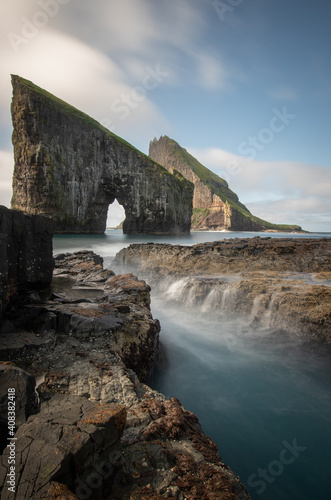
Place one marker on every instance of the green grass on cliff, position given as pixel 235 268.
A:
pixel 80 115
pixel 216 184
pixel 278 227
pixel 198 215
pixel 70 110
pixel 219 186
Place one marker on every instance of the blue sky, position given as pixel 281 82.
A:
pixel 244 85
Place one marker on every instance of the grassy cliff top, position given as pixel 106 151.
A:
pixel 216 184
pixel 68 108
pixel 220 187
pixel 80 115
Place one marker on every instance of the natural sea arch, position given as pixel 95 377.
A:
pixel 70 168
pixel 115 215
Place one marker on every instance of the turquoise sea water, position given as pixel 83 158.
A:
pixel 266 403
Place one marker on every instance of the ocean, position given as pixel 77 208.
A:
pixel 266 403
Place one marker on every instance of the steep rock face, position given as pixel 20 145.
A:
pixel 26 259
pixel 215 206
pixel 70 168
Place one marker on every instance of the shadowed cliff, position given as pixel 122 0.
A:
pixel 70 168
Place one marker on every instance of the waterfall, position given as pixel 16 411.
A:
pixel 212 301
pixel 225 298
pixel 175 291
pixel 268 316
pixel 257 305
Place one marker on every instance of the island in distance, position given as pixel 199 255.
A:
pixel 70 168
pixel 215 206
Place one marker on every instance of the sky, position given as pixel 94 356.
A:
pixel 243 85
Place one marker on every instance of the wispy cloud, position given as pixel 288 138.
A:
pixel 106 55
pixel 81 75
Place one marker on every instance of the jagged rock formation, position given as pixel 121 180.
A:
pixel 25 253
pixel 215 206
pixel 70 168
pixel 100 432
pixel 276 283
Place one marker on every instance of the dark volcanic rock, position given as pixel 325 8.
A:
pixel 70 168
pixel 88 307
pixel 62 443
pixel 23 395
pixel 94 430
pixel 101 433
pixel 26 260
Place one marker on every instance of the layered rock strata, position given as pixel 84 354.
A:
pixel 70 168
pixel 277 283
pixel 100 432
pixel 25 253
pixel 215 205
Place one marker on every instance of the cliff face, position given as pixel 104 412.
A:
pixel 25 253
pixel 215 206
pixel 70 168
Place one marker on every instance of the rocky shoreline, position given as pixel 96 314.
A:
pixel 75 355
pixel 78 344
pixel 283 284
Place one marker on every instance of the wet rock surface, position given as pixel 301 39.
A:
pixel 283 284
pixel 99 431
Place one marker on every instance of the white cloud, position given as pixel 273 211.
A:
pixel 110 44
pixel 312 214
pixel 94 56
pixel 135 33
pixel 82 76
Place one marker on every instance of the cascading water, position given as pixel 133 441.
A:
pixel 268 411
pixel 260 396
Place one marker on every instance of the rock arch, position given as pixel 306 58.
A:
pixel 70 168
